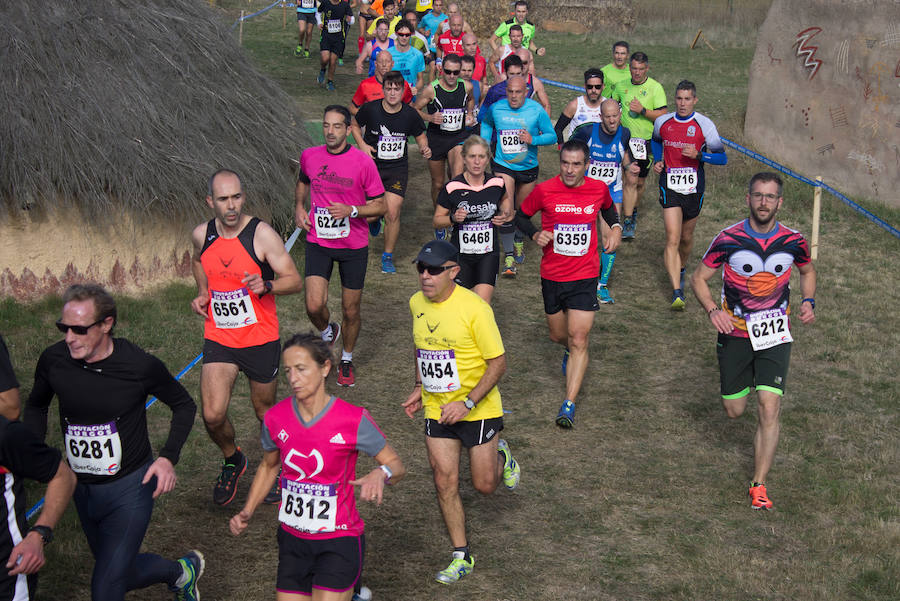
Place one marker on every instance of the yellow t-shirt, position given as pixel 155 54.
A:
pixel 393 24
pixel 453 341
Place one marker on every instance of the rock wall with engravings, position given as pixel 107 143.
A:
pixel 825 93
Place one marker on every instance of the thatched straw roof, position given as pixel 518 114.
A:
pixel 134 103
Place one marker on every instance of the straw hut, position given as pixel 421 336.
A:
pixel 113 115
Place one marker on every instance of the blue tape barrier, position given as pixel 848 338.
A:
pixel 257 13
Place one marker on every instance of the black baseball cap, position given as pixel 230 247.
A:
pixel 437 252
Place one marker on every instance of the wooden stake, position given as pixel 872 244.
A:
pixel 696 38
pixel 283 15
pixel 817 209
pixel 241 30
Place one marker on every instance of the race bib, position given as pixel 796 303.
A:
pixel 606 171
pixel 571 240
pixel 331 228
pixel 94 449
pixel 232 309
pixel 334 25
pixel 307 4
pixel 768 328
pixel 308 507
pixel 510 142
pixel 682 180
pixel 438 370
pixel 638 148
pixel 391 147
pixel 476 238
pixel 452 119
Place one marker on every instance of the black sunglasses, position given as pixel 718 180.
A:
pixel 403 35
pixel 79 330
pixel 448 72
pixel 590 86
pixel 433 269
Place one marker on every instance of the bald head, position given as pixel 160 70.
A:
pixel 384 62
pixel 515 91
pixel 610 115
pixel 456 24
pixel 470 44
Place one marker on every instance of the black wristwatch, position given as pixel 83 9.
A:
pixel 45 532
pixel 268 288
pixel 469 403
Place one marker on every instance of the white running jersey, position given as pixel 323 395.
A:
pixel 583 114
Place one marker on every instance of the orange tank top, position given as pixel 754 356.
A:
pixel 236 318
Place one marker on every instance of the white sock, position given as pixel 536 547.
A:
pixel 346 356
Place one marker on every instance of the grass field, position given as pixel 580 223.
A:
pixel 646 498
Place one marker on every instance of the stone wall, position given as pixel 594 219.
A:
pixel 824 94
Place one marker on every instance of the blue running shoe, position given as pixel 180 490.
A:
pixel 440 234
pixel 387 263
pixel 603 296
pixel 193 565
pixel 330 86
pixel 565 360
pixel 628 229
pixel 566 417
pixel 376 226
pixel 321 77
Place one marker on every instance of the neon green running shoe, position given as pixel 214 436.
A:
pixel 458 568
pixel 511 470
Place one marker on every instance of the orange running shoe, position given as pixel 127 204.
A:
pixel 759 498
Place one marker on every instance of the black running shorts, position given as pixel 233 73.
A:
pixel 580 295
pixel 520 177
pixel 442 144
pixel 333 44
pixel 478 269
pixel 690 203
pixel 352 263
pixel 331 564
pixel 394 179
pixel 740 367
pixel 259 363
pixel 470 434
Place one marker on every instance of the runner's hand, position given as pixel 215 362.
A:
pixel 413 402
pixel 426 152
pixel 543 238
pixel 371 486
pixel 255 283
pixel 658 167
pixel 239 522
pixel 164 471
pixel 28 556
pixel 200 305
pixel 722 320
pixel 453 412
pixel 301 218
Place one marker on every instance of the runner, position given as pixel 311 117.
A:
pixel 448 108
pixel 22 456
pixel 10 406
pixel 569 206
pixel 102 384
pixel 754 343
pixel 375 46
pixel 407 60
pixel 390 13
pixel 467 69
pixel 306 19
pixel 501 52
pixel 520 18
pixel 682 142
pixel 320 551
pixel 460 396
pixel 451 41
pixel 470 48
pixel 584 108
pixel 617 70
pixel 380 129
pixel 335 15
pixel 453 9
pixel 344 188
pixel 430 24
pixel 609 158
pixel 522 125
pixel 418 41
pixel 475 204
pixel 513 67
pixel 646 101
pixel 236 258
pixel 539 92
pixel 372 88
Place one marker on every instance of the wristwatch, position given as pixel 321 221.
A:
pixel 354 212
pixel 810 300
pixel 388 474
pixel 469 403
pixel 45 532
pixel 268 288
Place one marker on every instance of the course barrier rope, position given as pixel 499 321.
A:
pixel 259 12
pixel 287 246
pixel 766 160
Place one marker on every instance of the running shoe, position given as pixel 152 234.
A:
pixel 330 87
pixel 298 51
pixel 511 470
pixel 458 568
pixel 519 252
pixel 509 267
pixel 273 497
pixel 759 498
pixel 345 374
pixel 566 416
pixel 321 77
pixel 193 565
pixel 677 300
pixel 565 361
pixel 603 296
pixel 341 62
pixel 440 234
pixel 306 54
pixel 628 228
pixel 335 334
pixel 376 226
pixel 226 484
pixel 364 594
pixel 387 264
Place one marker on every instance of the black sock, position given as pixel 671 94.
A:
pixel 465 550
pixel 234 459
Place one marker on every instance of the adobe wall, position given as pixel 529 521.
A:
pixel 824 94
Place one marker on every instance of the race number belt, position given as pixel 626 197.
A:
pixel 682 180
pixel 334 26
pixel 232 308
pixel 606 171
pixel 510 143
pixel 571 240
pixel 476 237
pixel 308 507
pixel 638 148
pixel 452 119
pixel 94 449
pixel 438 370
pixel 391 148
pixel 330 228
pixel 768 328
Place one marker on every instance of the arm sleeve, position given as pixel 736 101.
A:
pixel 657 148
pixel 561 124
pixel 39 400
pixel 610 215
pixel 169 391
pixel 369 438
